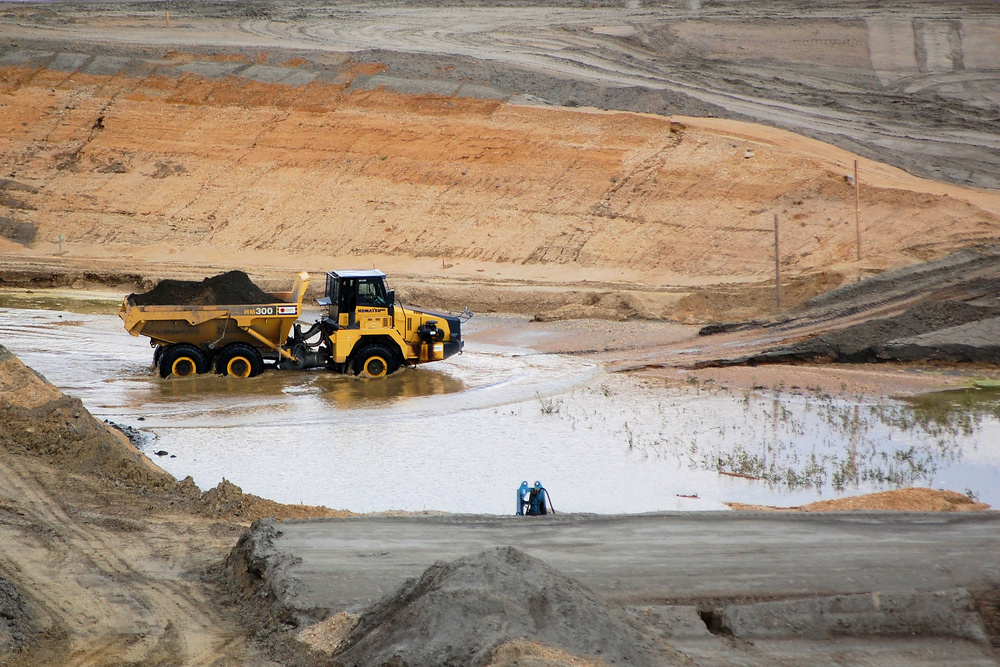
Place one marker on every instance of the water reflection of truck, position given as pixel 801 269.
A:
pixel 364 332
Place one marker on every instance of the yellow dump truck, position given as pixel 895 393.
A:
pixel 365 331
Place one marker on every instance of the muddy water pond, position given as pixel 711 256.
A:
pixel 461 435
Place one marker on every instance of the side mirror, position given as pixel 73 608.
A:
pixel 390 299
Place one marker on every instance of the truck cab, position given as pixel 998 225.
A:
pixel 358 299
pixel 365 330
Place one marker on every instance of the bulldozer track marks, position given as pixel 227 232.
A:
pixel 115 599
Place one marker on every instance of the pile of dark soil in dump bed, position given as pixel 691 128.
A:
pixel 457 613
pixel 866 342
pixel 226 289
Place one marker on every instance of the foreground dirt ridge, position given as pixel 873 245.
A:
pixel 106 557
pixel 464 611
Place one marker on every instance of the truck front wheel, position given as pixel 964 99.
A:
pixel 374 361
pixel 182 360
pixel 239 360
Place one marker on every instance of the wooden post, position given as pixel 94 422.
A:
pixel 857 209
pixel 777 264
pixel 168 19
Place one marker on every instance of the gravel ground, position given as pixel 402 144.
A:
pixel 715 587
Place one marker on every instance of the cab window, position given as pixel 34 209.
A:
pixel 371 292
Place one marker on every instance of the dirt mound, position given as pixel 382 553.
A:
pixel 968 274
pixel 900 500
pixel 457 613
pixel 746 302
pixel 521 653
pixel 945 310
pixel 88 524
pixel 228 501
pixel 977 341
pixel 867 342
pixel 226 289
pixel 36 418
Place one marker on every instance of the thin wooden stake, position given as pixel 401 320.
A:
pixel 777 264
pixel 857 209
pixel 168 19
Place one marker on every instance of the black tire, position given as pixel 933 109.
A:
pixel 182 360
pixel 374 361
pixel 157 355
pixel 239 360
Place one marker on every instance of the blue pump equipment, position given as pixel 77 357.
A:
pixel 531 501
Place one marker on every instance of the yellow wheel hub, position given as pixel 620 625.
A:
pixel 183 367
pixel 239 367
pixel 376 367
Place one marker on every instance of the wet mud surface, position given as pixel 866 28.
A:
pixel 480 423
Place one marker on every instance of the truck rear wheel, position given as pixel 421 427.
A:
pixel 239 360
pixel 182 360
pixel 374 361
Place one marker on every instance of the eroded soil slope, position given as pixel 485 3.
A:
pixel 139 166
pixel 910 82
pixel 941 311
pixel 106 557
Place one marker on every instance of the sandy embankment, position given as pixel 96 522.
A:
pixel 552 212
pixel 106 556
pixel 905 500
pixel 558 212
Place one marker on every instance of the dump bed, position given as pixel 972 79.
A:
pixel 218 326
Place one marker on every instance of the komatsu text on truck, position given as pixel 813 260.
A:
pixel 364 331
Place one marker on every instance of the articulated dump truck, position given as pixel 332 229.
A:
pixel 364 332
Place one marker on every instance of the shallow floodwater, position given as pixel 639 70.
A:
pixel 462 434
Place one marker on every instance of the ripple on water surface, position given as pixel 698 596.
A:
pixel 461 435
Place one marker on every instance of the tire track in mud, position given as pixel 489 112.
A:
pixel 109 598
pixel 45 522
